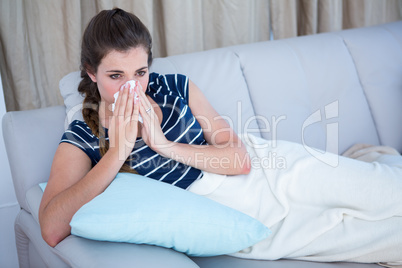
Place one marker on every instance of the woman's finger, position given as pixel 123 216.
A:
pixel 130 103
pixel 118 101
pixel 123 100
pixel 135 114
pixel 145 112
pixel 142 96
pixel 144 102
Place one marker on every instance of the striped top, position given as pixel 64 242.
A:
pixel 170 92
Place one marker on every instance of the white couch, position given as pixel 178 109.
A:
pixel 328 91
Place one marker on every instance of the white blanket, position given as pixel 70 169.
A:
pixel 317 212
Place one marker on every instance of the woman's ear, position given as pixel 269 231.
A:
pixel 91 74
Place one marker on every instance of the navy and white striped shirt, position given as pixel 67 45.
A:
pixel 170 92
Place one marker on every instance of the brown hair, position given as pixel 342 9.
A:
pixel 109 30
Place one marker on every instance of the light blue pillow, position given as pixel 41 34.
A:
pixel 140 210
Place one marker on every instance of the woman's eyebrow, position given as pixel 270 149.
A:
pixel 142 68
pixel 114 71
pixel 119 71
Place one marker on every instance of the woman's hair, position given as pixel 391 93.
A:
pixel 109 30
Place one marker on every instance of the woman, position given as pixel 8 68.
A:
pixel 116 48
pixel 183 141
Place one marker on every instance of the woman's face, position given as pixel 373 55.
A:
pixel 116 68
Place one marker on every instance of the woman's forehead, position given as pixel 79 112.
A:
pixel 134 57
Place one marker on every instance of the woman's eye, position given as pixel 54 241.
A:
pixel 115 76
pixel 141 73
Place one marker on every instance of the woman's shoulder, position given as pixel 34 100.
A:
pixel 169 83
pixel 81 129
pixel 77 124
pixel 80 135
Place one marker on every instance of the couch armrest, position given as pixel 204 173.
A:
pixel 32 135
pixel 81 252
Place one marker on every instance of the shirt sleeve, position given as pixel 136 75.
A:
pixel 80 135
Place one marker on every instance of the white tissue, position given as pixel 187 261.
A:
pixel 116 95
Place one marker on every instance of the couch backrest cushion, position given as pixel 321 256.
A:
pixel 309 85
pixel 72 99
pixel 377 55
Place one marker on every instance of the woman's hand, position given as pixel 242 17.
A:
pixel 123 125
pixel 151 131
pixel 224 152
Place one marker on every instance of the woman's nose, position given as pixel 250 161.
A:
pixel 132 83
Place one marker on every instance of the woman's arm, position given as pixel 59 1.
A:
pixel 225 152
pixel 72 182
